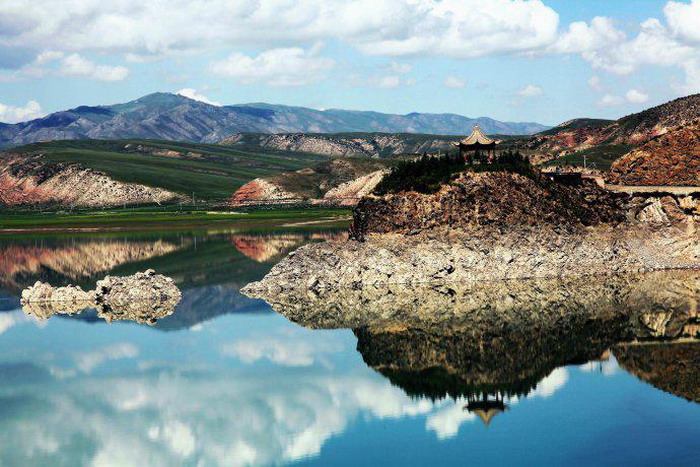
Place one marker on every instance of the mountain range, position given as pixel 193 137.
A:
pixel 174 117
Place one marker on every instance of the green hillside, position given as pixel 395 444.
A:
pixel 212 171
pixel 600 157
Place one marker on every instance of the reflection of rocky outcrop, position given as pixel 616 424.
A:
pixel 470 339
pixel 671 366
pixel 144 297
pixel 469 361
pixel 75 261
pixel 488 305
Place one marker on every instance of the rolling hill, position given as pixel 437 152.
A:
pixel 177 118
pixel 610 139
pixel 38 172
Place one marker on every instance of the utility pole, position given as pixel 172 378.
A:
pixel 585 162
pixel 193 203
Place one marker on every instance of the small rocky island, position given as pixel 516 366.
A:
pixel 504 222
pixel 143 297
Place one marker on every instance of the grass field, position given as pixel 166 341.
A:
pixel 211 171
pixel 600 157
pixel 143 220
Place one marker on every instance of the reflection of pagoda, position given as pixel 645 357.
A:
pixel 486 408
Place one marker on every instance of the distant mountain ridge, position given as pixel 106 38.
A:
pixel 173 117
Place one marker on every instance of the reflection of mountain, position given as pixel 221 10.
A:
pixel 486 341
pixel 200 304
pixel 21 264
pixel 208 268
pixel 267 248
pixel 670 366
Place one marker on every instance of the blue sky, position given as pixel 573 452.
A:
pixel 529 60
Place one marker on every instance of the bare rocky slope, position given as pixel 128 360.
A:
pixel 31 180
pixel 494 226
pixel 669 159
pixel 344 180
pixel 346 144
pixel 635 129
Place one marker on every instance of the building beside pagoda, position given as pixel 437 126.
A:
pixel 476 144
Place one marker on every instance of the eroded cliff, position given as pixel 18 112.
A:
pixel 26 180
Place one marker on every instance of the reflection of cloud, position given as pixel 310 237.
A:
pixel 447 420
pixel 10 319
pixel 172 417
pixel 287 349
pixel 551 384
pixel 607 367
pixel 87 361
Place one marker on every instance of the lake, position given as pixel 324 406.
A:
pixel 594 372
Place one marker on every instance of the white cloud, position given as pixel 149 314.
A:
pixel 77 66
pixel 400 68
pixel 197 96
pixel 530 90
pixel 456 28
pixel 594 83
pixel 582 37
pixel 636 97
pixel 683 19
pixel 13 114
pixel 610 100
pixel 291 66
pixel 454 82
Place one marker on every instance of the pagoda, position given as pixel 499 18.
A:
pixel 476 142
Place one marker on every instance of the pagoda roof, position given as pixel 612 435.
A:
pixel 477 137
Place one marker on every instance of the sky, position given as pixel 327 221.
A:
pixel 514 60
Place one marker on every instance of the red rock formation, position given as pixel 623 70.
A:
pixel 670 159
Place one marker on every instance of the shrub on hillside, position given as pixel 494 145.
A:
pixel 428 173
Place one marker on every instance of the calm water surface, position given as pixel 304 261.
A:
pixel 227 380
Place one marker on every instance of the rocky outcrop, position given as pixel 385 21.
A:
pixel 494 226
pixel 42 301
pixel 28 180
pixel 495 200
pixel 144 297
pixel 670 159
pixel 341 181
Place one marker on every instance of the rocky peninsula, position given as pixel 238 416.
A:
pixel 495 226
